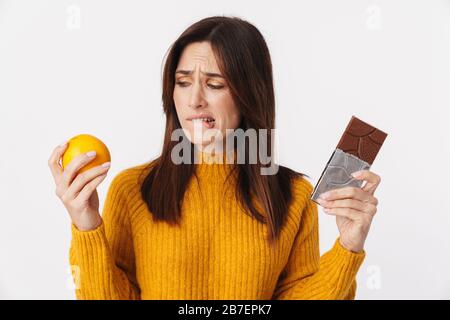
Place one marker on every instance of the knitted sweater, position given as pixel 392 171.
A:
pixel 217 252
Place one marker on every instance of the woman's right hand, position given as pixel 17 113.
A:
pixel 78 192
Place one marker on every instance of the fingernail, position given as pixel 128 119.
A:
pixel 91 154
pixel 62 144
pixel 106 164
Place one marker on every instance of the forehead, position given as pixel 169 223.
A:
pixel 198 54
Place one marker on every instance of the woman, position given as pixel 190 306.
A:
pixel 175 229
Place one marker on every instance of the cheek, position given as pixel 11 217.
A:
pixel 228 112
pixel 236 117
pixel 232 116
pixel 176 99
pixel 179 102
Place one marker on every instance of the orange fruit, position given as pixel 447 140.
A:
pixel 83 143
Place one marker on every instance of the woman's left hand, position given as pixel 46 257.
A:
pixel 354 209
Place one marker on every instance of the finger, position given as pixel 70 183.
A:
pixel 53 161
pixel 344 203
pixel 74 166
pixel 347 203
pixel 89 188
pixel 346 193
pixel 351 214
pixel 372 180
pixel 84 178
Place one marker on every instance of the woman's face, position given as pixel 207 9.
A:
pixel 202 91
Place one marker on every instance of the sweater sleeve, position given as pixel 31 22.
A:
pixel 102 260
pixel 309 276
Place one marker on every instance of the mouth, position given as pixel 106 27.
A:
pixel 208 122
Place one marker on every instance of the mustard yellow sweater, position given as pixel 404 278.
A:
pixel 218 251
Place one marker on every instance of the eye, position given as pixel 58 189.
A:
pixel 182 83
pixel 215 86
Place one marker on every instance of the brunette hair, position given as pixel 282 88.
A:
pixel 244 60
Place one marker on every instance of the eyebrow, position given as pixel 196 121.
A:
pixel 209 74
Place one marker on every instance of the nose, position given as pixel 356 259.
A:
pixel 196 99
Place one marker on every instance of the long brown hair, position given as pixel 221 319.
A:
pixel 244 60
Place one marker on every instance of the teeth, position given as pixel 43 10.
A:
pixel 204 119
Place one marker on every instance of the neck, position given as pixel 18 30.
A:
pixel 205 156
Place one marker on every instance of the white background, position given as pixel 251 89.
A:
pixel 386 62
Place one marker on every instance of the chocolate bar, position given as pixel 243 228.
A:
pixel 356 150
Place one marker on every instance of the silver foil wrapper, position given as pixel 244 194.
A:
pixel 337 173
